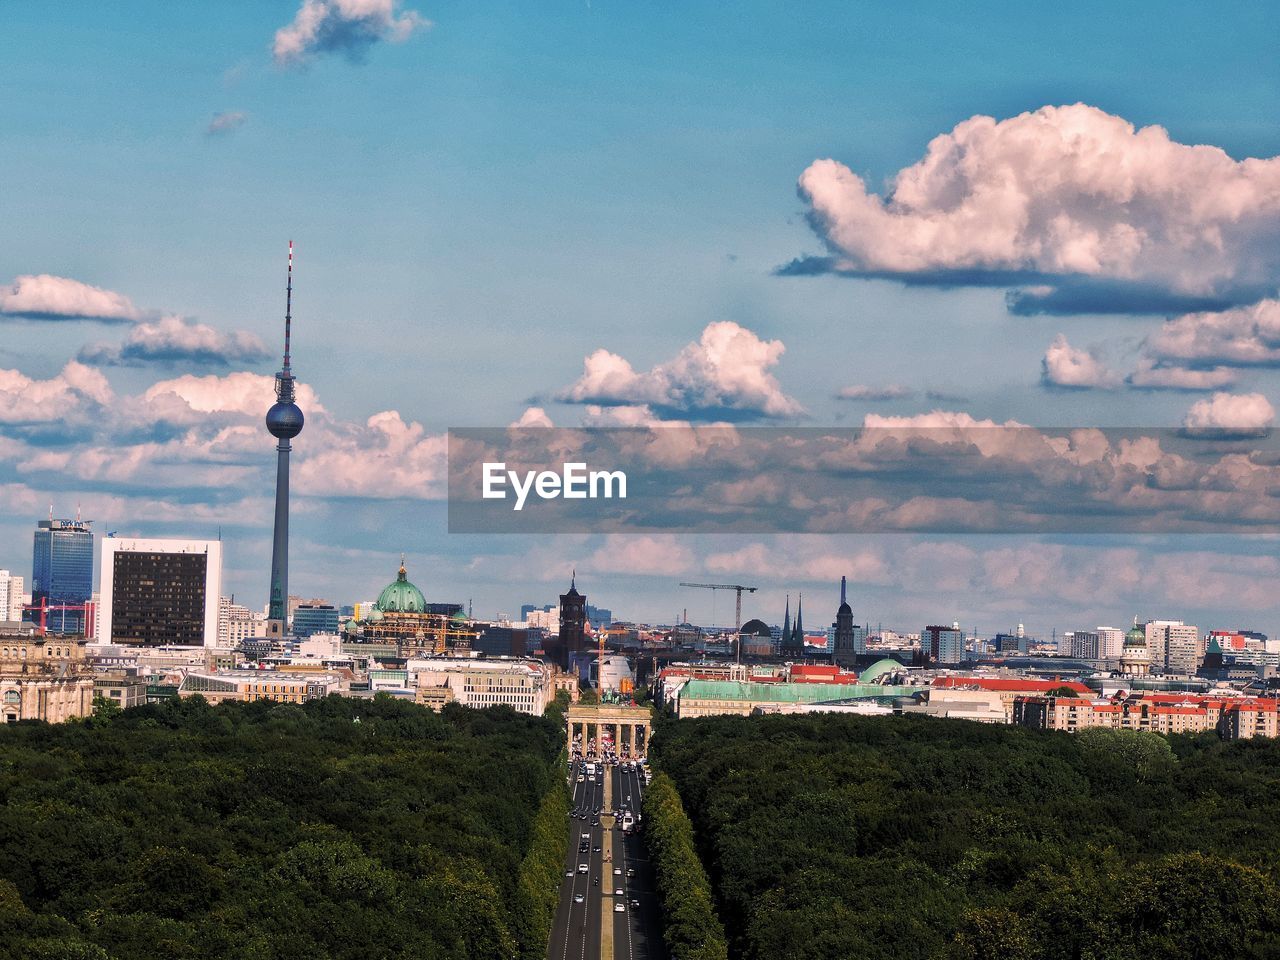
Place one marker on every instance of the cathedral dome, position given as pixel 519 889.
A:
pixel 1136 637
pixel 401 596
pixel 755 628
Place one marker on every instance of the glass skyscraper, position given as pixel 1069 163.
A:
pixel 62 572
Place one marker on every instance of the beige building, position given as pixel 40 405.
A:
pixel 44 678
pixel 250 685
pixel 524 685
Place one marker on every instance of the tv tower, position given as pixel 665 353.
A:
pixel 284 422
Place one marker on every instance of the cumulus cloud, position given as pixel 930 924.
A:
pixel 1151 374
pixel 725 374
pixel 386 458
pixel 348 27
pixel 46 297
pixel 191 399
pixel 1071 368
pixel 228 121
pixel 1230 415
pixel 175 340
pixel 1241 337
pixel 1071 203
pixel 533 417
pixel 862 391
pixel 68 396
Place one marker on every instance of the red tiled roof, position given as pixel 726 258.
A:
pixel 1011 684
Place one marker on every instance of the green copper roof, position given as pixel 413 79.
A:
pixel 880 668
pixel 401 597
pixel 1136 637
pixel 788 692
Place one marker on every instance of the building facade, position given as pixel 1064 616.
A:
pixel 61 574
pixel 44 677
pixel 161 592
pixel 10 597
pixel 314 617
pixel 942 644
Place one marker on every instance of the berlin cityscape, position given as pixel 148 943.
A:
pixel 750 481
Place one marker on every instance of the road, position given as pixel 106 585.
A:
pixel 578 927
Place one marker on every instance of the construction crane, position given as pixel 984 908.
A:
pixel 737 588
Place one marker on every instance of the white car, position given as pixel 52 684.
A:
pixel 619 907
pixel 582 868
pixel 617 871
pixel 577 898
pixel 619 893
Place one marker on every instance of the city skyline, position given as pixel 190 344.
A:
pixel 688 283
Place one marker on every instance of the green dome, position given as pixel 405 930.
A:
pixel 459 616
pixel 1136 637
pixel 401 597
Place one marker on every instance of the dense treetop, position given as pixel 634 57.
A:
pixel 838 836
pixel 341 829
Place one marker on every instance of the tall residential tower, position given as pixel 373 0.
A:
pixel 284 422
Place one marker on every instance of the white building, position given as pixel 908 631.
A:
pixel 10 596
pixel 1085 644
pixel 237 623
pixel 160 592
pixel 1174 646
pixel 1110 642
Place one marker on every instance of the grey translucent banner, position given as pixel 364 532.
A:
pixel 952 479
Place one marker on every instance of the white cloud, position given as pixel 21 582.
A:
pixel 862 391
pixel 533 417
pixel 1066 366
pixel 175 340
pixel 67 397
pixel 190 398
pixel 1245 414
pixel 46 297
pixel 386 458
pixel 726 372
pixel 1243 336
pixel 1153 375
pixel 226 122
pixel 1061 191
pixel 348 27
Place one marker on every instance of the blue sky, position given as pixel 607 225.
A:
pixel 480 205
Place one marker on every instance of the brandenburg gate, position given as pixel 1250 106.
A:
pixel 629 727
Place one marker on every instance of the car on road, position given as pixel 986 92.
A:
pixel 619 893
pixel 597 849
pixel 577 898
pixel 619 907
pixel 635 904
pixel 617 871
pixel 582 868
pixel 568 873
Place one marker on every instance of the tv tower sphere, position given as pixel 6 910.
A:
pixel 284 420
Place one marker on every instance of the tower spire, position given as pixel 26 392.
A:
pixel 842 590
pixel 284 422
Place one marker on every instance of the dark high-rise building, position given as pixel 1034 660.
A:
pixel 309 618
pixel 159 593
pixel 284 422
pixel 573 620
pixel 844 647
pixel 62 573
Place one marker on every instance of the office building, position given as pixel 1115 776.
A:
pixel 161 592
pixel 943 644
pixel 314 616
pixel 1110 642
pixel 1085 645
pixel 61 574
pixel 10 596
